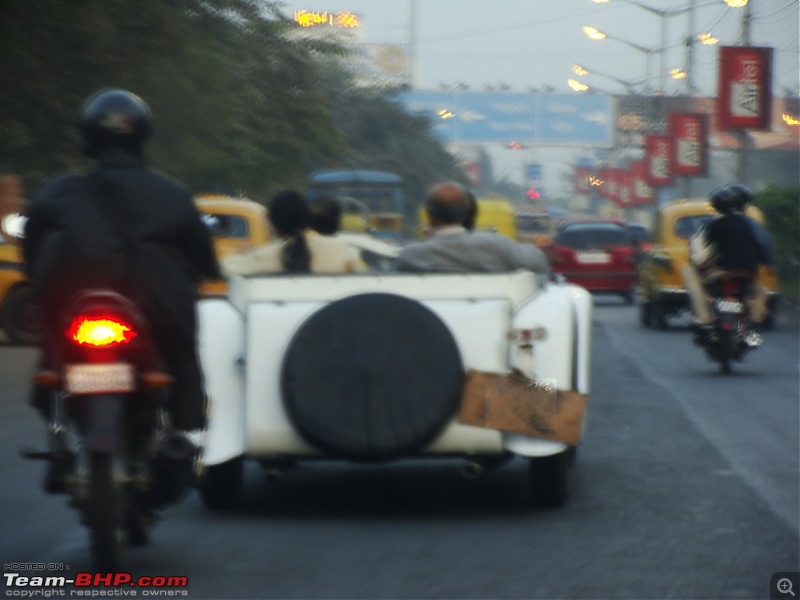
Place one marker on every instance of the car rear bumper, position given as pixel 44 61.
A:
pixel 603 282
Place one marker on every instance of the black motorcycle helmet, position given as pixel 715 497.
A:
pixel 724 200
pixel 742 195
pixel 113 118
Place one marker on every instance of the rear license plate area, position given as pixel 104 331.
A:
pixel 729 306
pixel 105 378
pixel 593 258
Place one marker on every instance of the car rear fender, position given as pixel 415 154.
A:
pixel 221 346
pixel 561 317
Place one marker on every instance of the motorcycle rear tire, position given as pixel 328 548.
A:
pixel 105 514
pixel 727 350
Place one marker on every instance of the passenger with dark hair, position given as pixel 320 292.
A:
pixel 291 217
pixel 326 215
pixel 300 249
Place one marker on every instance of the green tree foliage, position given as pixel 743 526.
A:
pixel 242 102
pixel 380 135
pixel 781 208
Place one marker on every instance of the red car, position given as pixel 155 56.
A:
pixel 597 254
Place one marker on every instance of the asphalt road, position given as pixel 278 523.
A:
pixel 687 485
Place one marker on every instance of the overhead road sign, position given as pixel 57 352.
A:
pixel 545 119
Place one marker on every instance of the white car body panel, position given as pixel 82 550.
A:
pixel 243 341
pixel 220 344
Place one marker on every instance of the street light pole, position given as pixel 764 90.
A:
pixel 629 85
pixel 412 43
pixel 595 34
pixel 662 14
pixel 690 52
pixel 648 54
pixel 744 135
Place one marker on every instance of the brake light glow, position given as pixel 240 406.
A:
pixel 731 287
pixel 563 254
pixel 100 331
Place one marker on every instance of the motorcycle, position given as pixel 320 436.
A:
pixel 110 444
pixel 729 338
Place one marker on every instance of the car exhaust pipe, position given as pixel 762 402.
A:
pixel 478 467
pixel 275 469
pixel 274 475
pixel 473 469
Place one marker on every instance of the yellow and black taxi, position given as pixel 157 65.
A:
pixel 236 225
pixel 19 316
pixel 662 292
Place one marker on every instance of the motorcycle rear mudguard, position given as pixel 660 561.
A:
pixel 102 419
pixel 728 321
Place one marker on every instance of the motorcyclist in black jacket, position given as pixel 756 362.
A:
pixel 726 245
pixel 127 228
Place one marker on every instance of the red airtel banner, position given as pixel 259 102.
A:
pixel 625 189
pixel 658 159
pixel 642 192
pixel 612 185
pixel 689 133
pixel 745 87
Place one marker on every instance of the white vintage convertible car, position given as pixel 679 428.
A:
pixel 381 367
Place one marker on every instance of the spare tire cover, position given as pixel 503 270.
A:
pixel 371 377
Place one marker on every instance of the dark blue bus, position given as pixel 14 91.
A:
pixel 383 195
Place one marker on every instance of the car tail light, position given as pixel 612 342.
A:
pixel 561 254
pixel 625 253
pixel 100 331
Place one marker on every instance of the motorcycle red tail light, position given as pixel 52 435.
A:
pixel 731 287
pixel 100 331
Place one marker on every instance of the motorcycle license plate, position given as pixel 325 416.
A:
pixel 103 378
pixel 729 306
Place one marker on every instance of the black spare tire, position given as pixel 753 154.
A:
pixel 372 377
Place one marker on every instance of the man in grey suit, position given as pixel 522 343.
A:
pixel 453 249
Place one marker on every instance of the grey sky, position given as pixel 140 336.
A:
pixel 529 43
